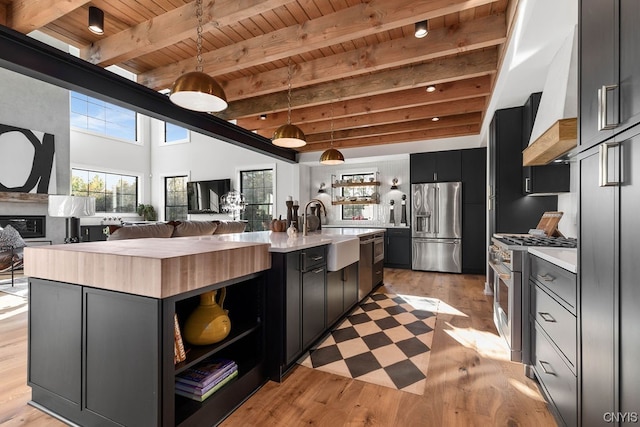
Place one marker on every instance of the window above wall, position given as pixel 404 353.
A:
pixel 102 118
pixel 174 134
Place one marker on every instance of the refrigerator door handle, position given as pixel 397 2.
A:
pixel 436 202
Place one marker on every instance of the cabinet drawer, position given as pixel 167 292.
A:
pixel 557 380
pixel 556 279
pixel 313 257
pixel 559 324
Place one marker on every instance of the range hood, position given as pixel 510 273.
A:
pixel 555 131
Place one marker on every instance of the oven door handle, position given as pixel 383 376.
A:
pixel 502 272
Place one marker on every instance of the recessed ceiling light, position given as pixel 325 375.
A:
pixel 263 117
pixel 431 88
pixel 435 119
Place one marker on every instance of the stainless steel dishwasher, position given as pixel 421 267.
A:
pixel 365 267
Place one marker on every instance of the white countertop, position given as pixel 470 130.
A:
pixel 281 242
pixel 562 257
pixel 380 225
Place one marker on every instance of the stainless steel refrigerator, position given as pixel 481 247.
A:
pixel 436 229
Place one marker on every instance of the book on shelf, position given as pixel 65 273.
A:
pixel 205 372
pixel 203 397
pixel 202 390
pixel 179 355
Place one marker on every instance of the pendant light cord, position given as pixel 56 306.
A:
pixel 289 91
pixel 199 39
pixel 332 125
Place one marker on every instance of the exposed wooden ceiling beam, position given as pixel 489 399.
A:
pixel 396 128
pixel 172 27
pixel 29 15
pixel 441 110
pixel 445 93
pixel 397 138
pixel 347 24
pixel 462 37
pixel 469 65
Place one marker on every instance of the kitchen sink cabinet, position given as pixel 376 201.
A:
pixel 397 248
pixel 342 292
pixel 439 166
pixel 609 231
pixel 609 69
pixel 297 300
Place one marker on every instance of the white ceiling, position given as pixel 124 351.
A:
pixel 541 28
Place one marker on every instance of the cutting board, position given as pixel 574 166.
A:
pixel 549 223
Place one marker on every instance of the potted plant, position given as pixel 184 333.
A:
pixel 147 212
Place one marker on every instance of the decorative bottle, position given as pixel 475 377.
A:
pixel 392 220
pixel 403 218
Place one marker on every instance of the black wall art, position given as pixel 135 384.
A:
pixel 27 161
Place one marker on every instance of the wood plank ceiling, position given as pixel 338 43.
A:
pixel 357 71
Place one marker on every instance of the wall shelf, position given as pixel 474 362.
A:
pixel 349 202
pixel 357 184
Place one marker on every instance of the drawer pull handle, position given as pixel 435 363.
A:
pixel 317 258
pixel 544 365
pixel 319 270
pixel 547 317
pixel 547 277
pixel 378 272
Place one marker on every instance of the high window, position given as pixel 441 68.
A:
pixel 174 133
pixel 103 118
pixel 114 193
pixel 257 187
pixel 175 198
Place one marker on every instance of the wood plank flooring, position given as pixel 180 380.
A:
pixel 470 382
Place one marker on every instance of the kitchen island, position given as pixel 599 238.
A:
pixel 101 321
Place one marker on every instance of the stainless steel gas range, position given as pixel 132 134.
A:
pixel 508 272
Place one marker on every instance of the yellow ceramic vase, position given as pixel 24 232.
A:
pixel 209 323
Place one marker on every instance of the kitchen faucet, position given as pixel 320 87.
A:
pixel 304 215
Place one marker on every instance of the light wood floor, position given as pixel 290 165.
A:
pixel 470 382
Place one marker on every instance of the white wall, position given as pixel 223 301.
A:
pixel 205 158
pixel 32 104
pixel 387 170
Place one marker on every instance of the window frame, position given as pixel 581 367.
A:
pixel 272 206
pixel 165 195
pixel 138 138
pixel 90 170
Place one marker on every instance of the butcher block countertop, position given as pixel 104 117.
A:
pixel 157 268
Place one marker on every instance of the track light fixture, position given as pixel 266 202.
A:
pixel 421 29
pixel 96 20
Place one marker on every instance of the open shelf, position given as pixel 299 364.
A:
pixel 349 202
pixel 357 184
pixel 197 353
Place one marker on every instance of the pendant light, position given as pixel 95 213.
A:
pixel 197 90
pixel 331 156
pixel 288 135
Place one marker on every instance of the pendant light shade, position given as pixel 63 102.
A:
pixel 96 20
pixel 198 91
pixel 289 136
pixel 331 157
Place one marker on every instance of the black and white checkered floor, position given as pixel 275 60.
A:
pixel 386 340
